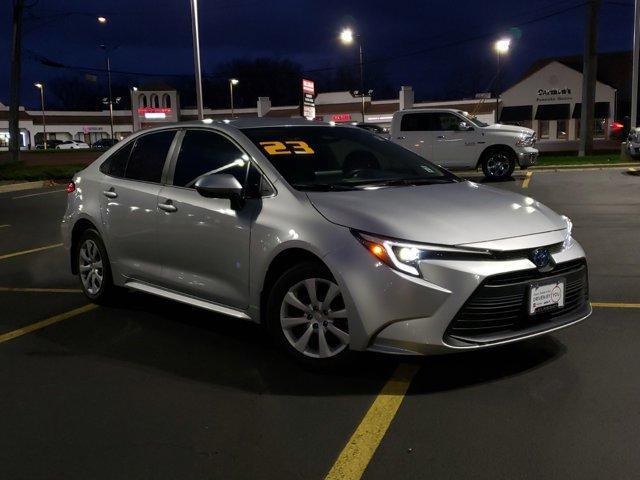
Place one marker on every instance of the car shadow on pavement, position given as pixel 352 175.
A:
pixel 187 342
pixel 491 180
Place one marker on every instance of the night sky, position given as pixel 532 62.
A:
pixel 438 47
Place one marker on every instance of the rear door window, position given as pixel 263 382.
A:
pixel 116 164
pixel 417 122
pixel 146 162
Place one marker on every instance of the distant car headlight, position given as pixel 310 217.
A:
pixel 405 256
pixel 568 239
pixel 526 141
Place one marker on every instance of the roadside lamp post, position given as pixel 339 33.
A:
pixel 232 83
pixel 103 21
pixel 196 57
pixel 502 48
pixel 347 37
pixel 40 87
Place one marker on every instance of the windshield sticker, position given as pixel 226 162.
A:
pixel 297 147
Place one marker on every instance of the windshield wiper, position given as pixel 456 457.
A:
pixel 406 182
pixel 323 187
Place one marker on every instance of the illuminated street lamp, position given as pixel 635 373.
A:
pixel 501 47
pixel 102 19
pixel 347 37
pixel 40 87
pixel 232 83
pixel 196 57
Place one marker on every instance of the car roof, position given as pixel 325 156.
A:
pixel 426 110
pixel 246 122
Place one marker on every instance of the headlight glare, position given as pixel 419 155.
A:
pixel 406 256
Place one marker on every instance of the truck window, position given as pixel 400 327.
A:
pixel 448 122
pixel 417 122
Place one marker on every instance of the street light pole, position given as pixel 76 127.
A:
pixel 636 66
pixel 347 36
pixel 501 47
pixel 110 97
pixel 40 86
pixel 196 57
pixel 232 82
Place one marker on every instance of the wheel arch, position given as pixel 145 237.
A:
pixel 281 263
pixel 498 146
pixel 82 225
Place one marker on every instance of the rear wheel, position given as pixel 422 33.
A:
pixel 94 270
pixel 498 163
pixel 307 317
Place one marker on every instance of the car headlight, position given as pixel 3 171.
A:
pixel 526 141
pixel 405 256
pixel 568 239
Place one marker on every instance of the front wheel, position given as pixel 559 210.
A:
pixel 307 316
pixel 498 164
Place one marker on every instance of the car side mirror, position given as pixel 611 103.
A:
pixel 465 127
pixel 220 185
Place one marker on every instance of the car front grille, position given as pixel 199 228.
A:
pixel 498 309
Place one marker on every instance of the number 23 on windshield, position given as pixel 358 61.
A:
pixel 297 147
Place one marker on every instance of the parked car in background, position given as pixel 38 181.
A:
pixel 633 143
pixel 373 128
pixel 72 145
pixel 104 143
pixel 51 143
pixel 335 238
pixel 455 140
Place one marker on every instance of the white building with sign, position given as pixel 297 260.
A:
pixel 549 100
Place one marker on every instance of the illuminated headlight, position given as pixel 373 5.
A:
pixel 568 239
pixel 406 256
pixel 526 141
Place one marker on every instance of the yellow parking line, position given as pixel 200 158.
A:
pixel 45 323
pixel 614 305
pixel 527 179
pixel 355 456
pixel 40 290
pixel 3 226
pixel 33 250
pixel 632 169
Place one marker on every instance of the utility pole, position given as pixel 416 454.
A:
pixel 589 73
pixel 14 96
pixel 636 66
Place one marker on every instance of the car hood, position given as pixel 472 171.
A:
pixel 498 127
pixel 445 214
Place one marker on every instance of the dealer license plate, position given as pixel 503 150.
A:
pixel 544 297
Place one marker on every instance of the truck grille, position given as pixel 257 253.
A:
pixel 498 309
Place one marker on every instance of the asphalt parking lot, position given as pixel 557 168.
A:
pixel 148 389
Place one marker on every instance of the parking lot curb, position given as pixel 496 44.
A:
pixel 16 187
pixel 559 168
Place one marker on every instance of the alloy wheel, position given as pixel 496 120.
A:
pixel 498 165
pixel 91 267
pixel 313 318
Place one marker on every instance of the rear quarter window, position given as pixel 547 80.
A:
pixel 116 164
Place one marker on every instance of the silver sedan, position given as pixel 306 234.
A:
pixel 336 238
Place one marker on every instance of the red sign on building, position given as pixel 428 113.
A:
pixel 341 117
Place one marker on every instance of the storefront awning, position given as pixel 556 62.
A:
pixel 602 110
pixel 516 114
pixel 556 111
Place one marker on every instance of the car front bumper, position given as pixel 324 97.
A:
pixel 527 156
pixel 392 312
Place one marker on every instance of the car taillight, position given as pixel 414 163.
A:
pixel 71 187
pixel 617 126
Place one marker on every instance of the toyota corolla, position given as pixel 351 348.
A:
pixel 334 237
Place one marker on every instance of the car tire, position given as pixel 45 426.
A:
pixel 307 318
pixel 94 269
pixel 498 163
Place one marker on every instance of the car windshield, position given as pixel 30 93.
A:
pixel 342 158
pixel 474 120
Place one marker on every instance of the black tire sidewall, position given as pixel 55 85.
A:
pixel 487 157
pixel 107 288
pixel 282 285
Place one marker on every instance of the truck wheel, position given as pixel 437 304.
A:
pixel 498 164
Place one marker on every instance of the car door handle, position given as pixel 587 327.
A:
pixel 400 138
pixel 167 207
pixel 110 193
pixel 441 137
